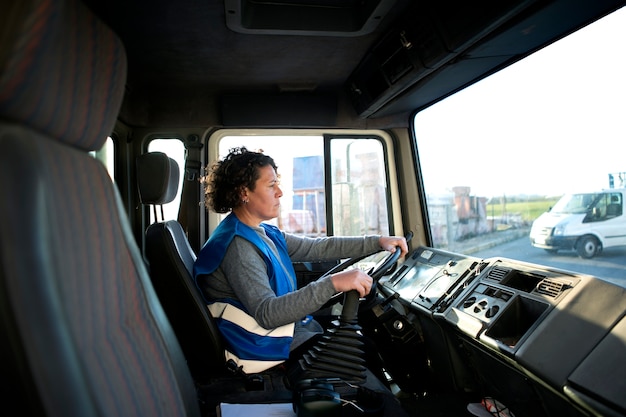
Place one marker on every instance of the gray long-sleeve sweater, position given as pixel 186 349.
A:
pixel 243 276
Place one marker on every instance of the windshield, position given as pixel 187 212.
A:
pixel 498 154
pixel 574 204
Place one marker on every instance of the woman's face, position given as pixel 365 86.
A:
pixel 264 202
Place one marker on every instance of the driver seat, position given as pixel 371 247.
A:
pixel 170 259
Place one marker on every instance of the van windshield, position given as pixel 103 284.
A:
pixel 575 203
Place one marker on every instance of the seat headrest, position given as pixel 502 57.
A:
pixel 157 178
pixel 62 72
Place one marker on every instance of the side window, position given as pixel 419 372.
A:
pixel 358 178
pixel 359 187
pixel 597 210
pixel 605 206
pixel 106 155
pixel 300 162
pixel 175 149
pixel 614 207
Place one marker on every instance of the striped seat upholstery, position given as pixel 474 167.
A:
pixel 82 332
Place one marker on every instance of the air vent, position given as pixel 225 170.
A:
pixel 551 288
pixel 497 274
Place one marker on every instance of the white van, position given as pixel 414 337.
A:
pixel 586 222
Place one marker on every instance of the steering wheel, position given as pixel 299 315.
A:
pixel 377 272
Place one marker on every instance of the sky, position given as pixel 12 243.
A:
pixel 573 90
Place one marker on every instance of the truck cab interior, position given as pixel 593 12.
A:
pixel 99 314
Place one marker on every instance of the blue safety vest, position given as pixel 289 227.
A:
pixel 247 343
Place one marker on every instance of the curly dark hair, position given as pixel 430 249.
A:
pixel 226 179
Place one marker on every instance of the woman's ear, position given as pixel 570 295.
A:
pixel 244 194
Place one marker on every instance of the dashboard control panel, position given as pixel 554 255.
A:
pixel 430 278
pixel 498 301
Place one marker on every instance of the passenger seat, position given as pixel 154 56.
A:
pixel 82 332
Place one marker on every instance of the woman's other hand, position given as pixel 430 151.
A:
pixel 354 279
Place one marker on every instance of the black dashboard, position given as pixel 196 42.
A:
pixel 554 334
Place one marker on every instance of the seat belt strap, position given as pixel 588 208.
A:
pixel 189 213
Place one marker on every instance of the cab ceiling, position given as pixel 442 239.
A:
pixel 377 61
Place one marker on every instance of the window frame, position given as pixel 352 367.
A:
pixel 394 212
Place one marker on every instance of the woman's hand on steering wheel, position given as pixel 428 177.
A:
pixel 393 243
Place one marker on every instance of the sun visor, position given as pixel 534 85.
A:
pixel 306 17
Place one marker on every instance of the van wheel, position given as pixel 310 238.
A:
pixel 587 247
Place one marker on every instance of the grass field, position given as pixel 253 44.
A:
pixel 529 210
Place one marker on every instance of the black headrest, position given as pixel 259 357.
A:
pixel 157 178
